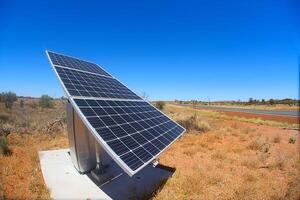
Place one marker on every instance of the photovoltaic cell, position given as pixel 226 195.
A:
pixel 90 85
pixel 144 131
pixel 129 127
pixel 74 63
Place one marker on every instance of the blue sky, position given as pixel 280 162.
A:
pixel 223 50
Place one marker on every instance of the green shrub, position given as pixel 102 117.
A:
pixel 8 98
pixel 4 150
pixel 160 105
pixel 46 102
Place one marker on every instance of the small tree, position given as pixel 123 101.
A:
pixel 46 101
pixel 22 103
pixel 160 105
pixel 8 98
pixel 271 101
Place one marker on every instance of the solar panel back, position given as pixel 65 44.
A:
pixel 130 129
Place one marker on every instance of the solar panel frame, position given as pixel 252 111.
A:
pixel 94 132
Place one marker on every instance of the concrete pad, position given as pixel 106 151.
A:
pixel 65 182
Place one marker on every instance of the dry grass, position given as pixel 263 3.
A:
pixel 234 160
pixel 20 173
pixel 217 115
pixel 195 123
pixel 292 139
pixel 277 139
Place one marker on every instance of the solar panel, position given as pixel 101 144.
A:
pixel 130 129
pixel 84 84
pixel 74 63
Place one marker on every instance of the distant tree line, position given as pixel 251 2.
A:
pixel 251 101
pixel 8 98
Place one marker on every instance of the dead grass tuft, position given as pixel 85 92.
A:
pixel 218 155
pixel 234 160
pixel 292 139
pixel 277 139
pixel 280 161
pixel 194 123
pixel 250 162
pixel 4 117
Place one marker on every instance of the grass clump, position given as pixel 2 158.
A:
pixel 292 140
pixel 259 144
pixel 4 117
pixel 218 155
pixel 193 123
pixel 277 139
pixel 280 161
pixel 4 150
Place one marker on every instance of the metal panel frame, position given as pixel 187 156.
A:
pixel 104 145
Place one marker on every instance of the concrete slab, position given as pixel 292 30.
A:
pixel 65 182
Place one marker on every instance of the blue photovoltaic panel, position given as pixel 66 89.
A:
pixel 74 63
pixel 132 129
pixel 84 84
pixel 129 128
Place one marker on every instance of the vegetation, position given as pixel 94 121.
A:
pixel 8 98
pixel 4 150
pixel 251 101
pixel 31 130
pixel 21 103
pixel 194 123
pixel 234 160
pixel 231 159
pixel 258 121
pixel 45 101
pixel 160 105
pixel 292 140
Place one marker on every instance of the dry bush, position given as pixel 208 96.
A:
pixel 280 161
pixel 160 105
pixel 277 139
pixel 292 140
pixel 293 191
pixel 34 120
pixel 4 117
pixel 194 123
pixel 256 144
pixel 259 144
